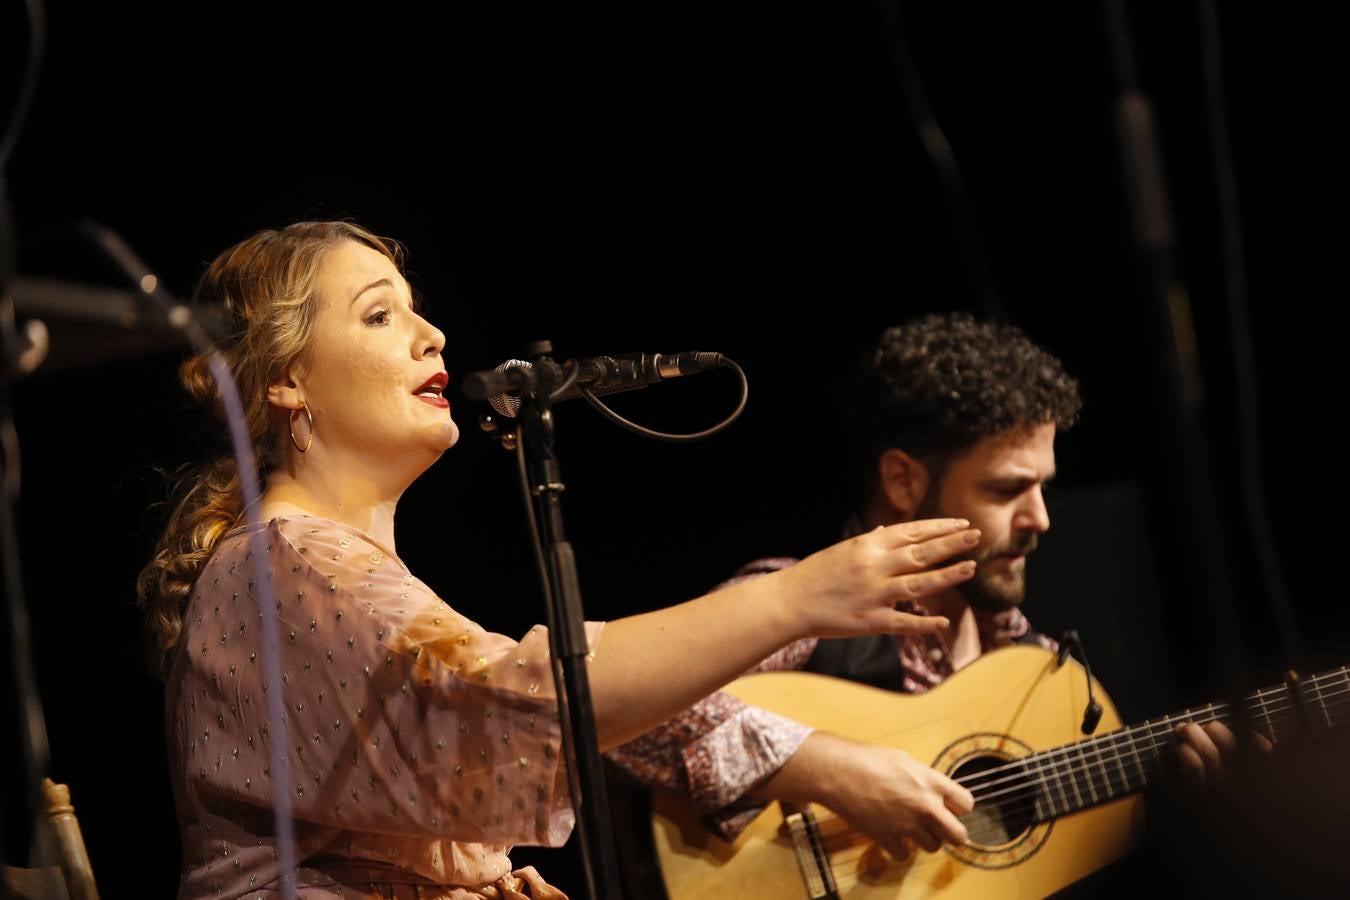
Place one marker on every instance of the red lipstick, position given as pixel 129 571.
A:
pixel 431 390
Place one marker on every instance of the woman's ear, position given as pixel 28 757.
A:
pixel 286 391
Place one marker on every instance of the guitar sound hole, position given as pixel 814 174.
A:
pixel 1004 801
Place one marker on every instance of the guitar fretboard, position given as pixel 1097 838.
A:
pixel 1065 779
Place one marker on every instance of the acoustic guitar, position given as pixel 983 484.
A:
pixel 1051 807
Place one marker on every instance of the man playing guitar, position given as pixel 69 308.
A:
pixel 947 416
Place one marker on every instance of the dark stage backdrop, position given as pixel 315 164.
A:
pixel 740 178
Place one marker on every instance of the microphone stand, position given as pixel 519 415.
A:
pixel 32 721
pixel 566 629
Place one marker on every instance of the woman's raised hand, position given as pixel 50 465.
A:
pixel 852 587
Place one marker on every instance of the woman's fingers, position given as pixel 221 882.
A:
pixel 924 584
pixel 914 557
pixel 853 587
pixel 909 624
pixel 904 533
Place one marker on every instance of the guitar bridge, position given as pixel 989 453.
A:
pixel 811 856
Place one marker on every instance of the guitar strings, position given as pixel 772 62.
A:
pixel 1025 791
pixel 1027 794
pixel 1151 728
pixel 835 832
pixel 1061 759
pixel 1107 749
pixel 1151 725
pixel 1285 713
pixel 1095 756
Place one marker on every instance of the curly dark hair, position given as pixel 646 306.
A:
pixel 937 385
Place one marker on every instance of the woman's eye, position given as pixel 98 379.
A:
pixel 379 317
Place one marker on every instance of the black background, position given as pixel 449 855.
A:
pixel 741 178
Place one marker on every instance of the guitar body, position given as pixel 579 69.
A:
pixel 1005 705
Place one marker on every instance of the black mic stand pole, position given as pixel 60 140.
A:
pixel 32 722
pixel 567 633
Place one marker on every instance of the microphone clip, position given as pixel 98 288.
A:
pixel 1092 714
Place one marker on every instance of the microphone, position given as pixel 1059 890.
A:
pixel 596 374
pixel 1093 713
pixel 504 404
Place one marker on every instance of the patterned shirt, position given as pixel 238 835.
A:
pixel 419 746
pixel 720 749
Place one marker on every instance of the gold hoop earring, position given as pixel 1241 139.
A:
pixel 310 417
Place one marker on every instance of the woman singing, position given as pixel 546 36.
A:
pixel 419 746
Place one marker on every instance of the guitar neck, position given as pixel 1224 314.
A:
pixel 1076 776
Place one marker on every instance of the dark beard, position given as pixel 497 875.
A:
pixel 988 591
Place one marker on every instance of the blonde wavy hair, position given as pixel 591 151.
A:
pixel 267 286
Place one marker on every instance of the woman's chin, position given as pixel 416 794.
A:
pixel 438 440
pixel 449 435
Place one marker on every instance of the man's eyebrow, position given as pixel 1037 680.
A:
pixel 1011 478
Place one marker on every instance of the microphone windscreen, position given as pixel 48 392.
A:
pixel 507 405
